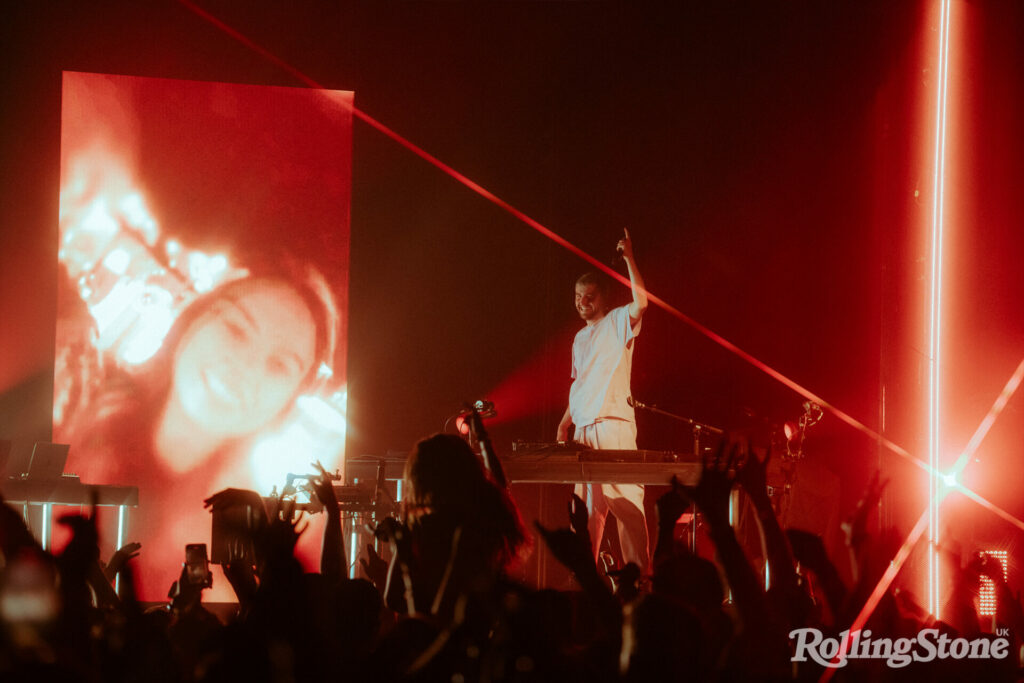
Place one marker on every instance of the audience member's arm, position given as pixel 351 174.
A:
pixel 126 552
pixel 785 594
pixel 398 588
pixel 332 554
pixel 239 573
pixel 809 551
pixel 762 643
pixel 670 508
pixel 711 494
pixel 572 547
pixel 959 611
pixel 855 527
pixel 574 552
pixel 104 591
pixel 375 568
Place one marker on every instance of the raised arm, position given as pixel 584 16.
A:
pixel 332 554
pixel 639 303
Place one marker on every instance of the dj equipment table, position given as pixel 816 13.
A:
pixel 588 466
pixel 46 493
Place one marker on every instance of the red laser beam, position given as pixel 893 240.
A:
pixel 922 523
pixel 991 507
pixel 1009 389
pixel 561 241
pixel 252 45
pixel 881 587
pixel 900 559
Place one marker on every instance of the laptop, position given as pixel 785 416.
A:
pixel 48 460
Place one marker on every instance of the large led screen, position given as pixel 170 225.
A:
pixel 204 231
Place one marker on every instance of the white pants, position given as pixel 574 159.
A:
pixel 625 501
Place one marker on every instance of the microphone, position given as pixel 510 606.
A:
pixel 812 413
pixel 633 403
pixel 483 407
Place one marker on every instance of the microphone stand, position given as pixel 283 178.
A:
pixel 478 435
pixel 695 426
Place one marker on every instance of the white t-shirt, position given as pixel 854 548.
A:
pixel 602 358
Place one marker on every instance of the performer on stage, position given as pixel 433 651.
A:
pixel 602 357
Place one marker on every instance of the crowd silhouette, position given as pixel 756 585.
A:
pixel 445 609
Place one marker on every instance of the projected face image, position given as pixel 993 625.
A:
pixel 241 362
pixel 201 333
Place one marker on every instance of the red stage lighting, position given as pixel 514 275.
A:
pixel 935 306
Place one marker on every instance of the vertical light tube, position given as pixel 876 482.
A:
pixel 935 306
pixel 354 552
pixel 120 544
pixel 353 539
pixel 45 526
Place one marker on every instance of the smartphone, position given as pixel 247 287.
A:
pixel 197 564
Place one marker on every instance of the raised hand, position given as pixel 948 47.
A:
pixel 625 246
pixel 375 568
pixel 323 486
pixel 579 518
pixel 242 578
pixel 121 556
pixel 228 498
pixel 753 477
pixel 84 544
pixel 672 505
pixel 391 530
pixel 277 540
pixel 856 526
pixel 711 494
pixel 185 595
pixel 808 549
pixel 570 548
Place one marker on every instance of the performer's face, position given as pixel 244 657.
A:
pixel 589 302
pixel 241 362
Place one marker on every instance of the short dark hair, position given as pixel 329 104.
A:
pixel 598 280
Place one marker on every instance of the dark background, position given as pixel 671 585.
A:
pixel 765 157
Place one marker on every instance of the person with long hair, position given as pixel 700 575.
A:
pixel 464 529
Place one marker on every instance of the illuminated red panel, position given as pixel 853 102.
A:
pixel 987 600
pixel 202 307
